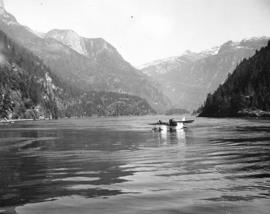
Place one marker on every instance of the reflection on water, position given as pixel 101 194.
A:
pixel 170 137
pixel 118 165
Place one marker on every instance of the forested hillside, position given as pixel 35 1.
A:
pixel 26 85
pixel 246 92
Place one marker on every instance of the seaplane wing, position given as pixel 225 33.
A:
pixel 161 124
pixel 185 121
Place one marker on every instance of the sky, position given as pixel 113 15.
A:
pixel 147 30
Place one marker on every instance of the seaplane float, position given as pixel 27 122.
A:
pixel 171 125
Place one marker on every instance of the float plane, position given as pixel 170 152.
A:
pixel 171 125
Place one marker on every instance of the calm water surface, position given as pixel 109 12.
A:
pixel 118 165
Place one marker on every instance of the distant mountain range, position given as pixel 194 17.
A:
pixel 87 64
pixel 246 92
pixel 187 79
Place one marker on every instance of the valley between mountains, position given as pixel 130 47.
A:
pixel 62 74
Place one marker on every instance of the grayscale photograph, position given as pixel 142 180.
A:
pixel 134 106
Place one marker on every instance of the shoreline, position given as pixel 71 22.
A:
pixel 245 113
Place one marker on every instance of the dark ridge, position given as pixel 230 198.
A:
pixel 246 92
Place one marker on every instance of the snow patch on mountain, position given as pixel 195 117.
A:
pixel 157 62
pixel 187 55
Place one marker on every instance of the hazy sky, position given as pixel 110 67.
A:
pixel 145 30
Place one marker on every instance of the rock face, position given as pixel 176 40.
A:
pixel 90 48
pixel 246 92
pixel 187 79
pixel 69 38
pixel 88 64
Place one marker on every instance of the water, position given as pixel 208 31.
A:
pixel 118 165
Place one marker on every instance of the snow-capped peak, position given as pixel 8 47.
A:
pixel 157 62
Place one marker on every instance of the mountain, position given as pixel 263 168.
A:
pixel 29 89
pixel 246 92
pixel 187 79
pixel 70 39
pixel 89 64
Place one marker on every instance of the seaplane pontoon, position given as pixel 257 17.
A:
pixel 171 125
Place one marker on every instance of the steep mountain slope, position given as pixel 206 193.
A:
pixel 187 79
pixel 246 91
pixel 91 64
pixel 112 72
pixel 28 89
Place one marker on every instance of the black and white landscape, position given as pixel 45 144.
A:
pixel 134 106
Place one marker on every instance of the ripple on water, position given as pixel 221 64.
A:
pixel 118 165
